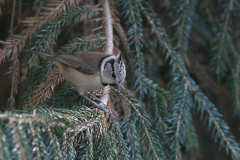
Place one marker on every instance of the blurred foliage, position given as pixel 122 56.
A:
pixel 183 72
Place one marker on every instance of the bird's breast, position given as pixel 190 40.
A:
pixel 84 83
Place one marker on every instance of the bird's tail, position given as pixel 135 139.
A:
pixel 41 53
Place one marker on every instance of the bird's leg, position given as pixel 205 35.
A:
pixel 95 104
pixel 99 100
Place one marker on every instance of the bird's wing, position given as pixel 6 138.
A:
pixel 85 62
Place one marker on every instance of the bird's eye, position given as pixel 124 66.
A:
pixel 113 75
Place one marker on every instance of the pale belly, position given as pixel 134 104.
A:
pixel 84 83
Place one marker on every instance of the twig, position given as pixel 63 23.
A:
pixel 136 45
pixel 108 32
pixel 179 120
pixel 17 43
pixel 184 18
pixel 46 89
pixel 19 10
pixel 12 17
pixel 15 68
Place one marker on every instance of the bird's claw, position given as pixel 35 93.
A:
pixel 100 106
pixel 96 105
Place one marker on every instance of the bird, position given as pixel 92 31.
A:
pixel 88 71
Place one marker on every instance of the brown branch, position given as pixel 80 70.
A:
pixel 15 43
pixel 12 17
pixel 237 84
pixel 19 10
pixel 45 90
pixel 107 26
pixel 118 28
pixel 15 69
pixel 54 9
pixel 2 57
pixel 108 47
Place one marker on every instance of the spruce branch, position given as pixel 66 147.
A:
pixel 46 89
pixel 48 132
pixel 134 31
pixel 179 122
pixel 35 141
pixel 185 12
pixel 158 113
pixel 129 130
pixel 83 44
pixel 50 32
pixel 155 148
pixel 121 33
pixel 186 5
pixel 214 115
pixel 158 104
pixel 192 143
pixel 107 150
pixel 2 57
pixel 15 69
pixel 55 146
pixel 17 43
pixel 211 110
pixel 4 152
pixel 116 135
pixel 221 44
pixel 123 38
pixel 180 131
pixel 68 97
pixel 33 81
pixel 16 138
pixel 136 39
pixel 89 150
pixel 221 126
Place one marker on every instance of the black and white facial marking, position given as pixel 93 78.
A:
pixel 112 70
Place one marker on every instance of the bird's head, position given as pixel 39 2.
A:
pixel 112 70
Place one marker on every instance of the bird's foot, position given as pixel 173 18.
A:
pixel 99 100
pixel 96 105
pixel 100 106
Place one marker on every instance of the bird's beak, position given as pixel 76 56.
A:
pixel 118 86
